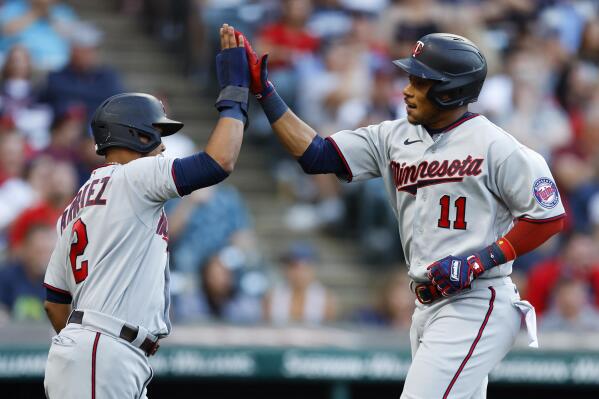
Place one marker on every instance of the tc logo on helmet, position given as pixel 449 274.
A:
pixel 417 48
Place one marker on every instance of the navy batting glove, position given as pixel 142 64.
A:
pixel 233 76
pixel 455 273
pixel 232 68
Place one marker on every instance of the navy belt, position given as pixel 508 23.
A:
pixel 128 333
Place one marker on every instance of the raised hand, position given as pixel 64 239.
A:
pixel 260 86
pixel 233 73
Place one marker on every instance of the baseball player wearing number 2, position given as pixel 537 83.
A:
pixel 108 278
pixel 468 197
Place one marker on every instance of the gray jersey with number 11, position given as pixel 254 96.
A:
pixel 456 194
pixel 111 254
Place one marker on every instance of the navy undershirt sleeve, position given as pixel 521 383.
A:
pixel 322 157
pixel 58 297
pixel 197 171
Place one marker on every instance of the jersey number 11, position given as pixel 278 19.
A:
pixel 460 217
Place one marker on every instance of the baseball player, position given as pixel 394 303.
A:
pixel 468 199
pixel 108 278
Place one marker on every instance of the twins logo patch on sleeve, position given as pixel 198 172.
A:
pixel 545 192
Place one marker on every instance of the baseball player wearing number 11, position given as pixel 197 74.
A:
pixel 108 278
pixel 468 199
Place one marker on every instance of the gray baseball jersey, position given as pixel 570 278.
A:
pixel 454 194
pixel 111 254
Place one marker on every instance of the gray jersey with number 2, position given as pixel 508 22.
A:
pixel 456 194
pixel 111 254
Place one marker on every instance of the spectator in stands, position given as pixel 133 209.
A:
pixel 578 260
pixel 571 311
pixel 16 90
pixel 395 304
pixel 19 98
pixel 67 130
pixel 287 41
pixel 575 168
pixel 381 105
pixel 589 47
pixel 333 97
pixel 535 119
pixel 68 137
pixel 577 83
pixel 56 183
pixel 84 81
pixel 329 19
pixel 335 91
pixel 301 298
pixel 21 291
pixel 220 296
pixel 15 193
pixel 205 222
pixel 39 25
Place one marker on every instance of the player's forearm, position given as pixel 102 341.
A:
pixel 218 160
pixel 225 142
pixel 58 314
pixel 293 133
pixel 315 155
pixel 454 273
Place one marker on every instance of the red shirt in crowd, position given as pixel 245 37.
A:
pixel 544 277
pixel 295 40
pixel 39 214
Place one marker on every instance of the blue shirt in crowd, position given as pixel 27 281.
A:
pixel 210 228
pixel 23 298
pixel 49 50
pixel 69 87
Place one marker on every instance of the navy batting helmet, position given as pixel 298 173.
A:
pixel 124 119
pixel 454 62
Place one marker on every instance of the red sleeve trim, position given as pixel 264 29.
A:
pixel 539 221
pixel 349 172
pixel 52 288
pixel 175 179
pixel 528 235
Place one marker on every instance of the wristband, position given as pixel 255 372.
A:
pixel 496 254
pixel 274 107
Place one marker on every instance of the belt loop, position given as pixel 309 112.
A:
pixel 76 317
pixel 141 336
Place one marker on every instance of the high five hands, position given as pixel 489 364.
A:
pixel 233 75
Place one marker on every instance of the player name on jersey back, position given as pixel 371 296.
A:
pixel 112 252
pixel 88 195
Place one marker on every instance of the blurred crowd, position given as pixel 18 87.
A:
pixel 331 61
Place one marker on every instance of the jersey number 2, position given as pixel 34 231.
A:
pixel 460 217
pixel 77 249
